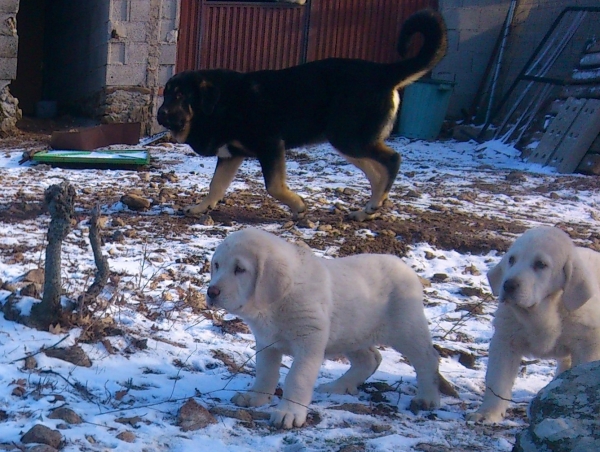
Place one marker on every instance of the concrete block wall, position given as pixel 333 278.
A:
pixel 141 57
pixel 473 29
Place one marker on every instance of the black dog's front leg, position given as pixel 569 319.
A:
pixel 224 174
pixel 273 168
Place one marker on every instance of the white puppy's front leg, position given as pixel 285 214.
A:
pixel 268 360
pixel 363 363
pixel 298 389
pixel 503 365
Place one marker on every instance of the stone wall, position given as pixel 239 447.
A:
pixel 142 51
pixel 9 42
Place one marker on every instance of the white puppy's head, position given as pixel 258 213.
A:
pixel 539 264
pixel 249 270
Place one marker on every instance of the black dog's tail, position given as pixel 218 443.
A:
pixel 431 25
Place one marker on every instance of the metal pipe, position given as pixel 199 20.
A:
pixel 507 24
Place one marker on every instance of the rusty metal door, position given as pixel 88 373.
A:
pixel 248 36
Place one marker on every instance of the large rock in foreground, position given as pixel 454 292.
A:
pixel 565 415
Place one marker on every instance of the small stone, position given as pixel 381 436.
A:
pixel 135 202
pixel 429 255
pixel 306 223
pixel 117 222
pixel 35 276
pixel 43 435
pixel 145 177
pixel 74 355
pixel 30 290
pixel 425 282
pixel 66 414
pixel 126 436
pixel 380 428
pixel 30 363
pixel 325 228
pixel 439 277
pixel 205 220
pixel 171 177
pixel 193 416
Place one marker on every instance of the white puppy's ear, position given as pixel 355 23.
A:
pixel 273 279
pixel 578 286
pixel 495 277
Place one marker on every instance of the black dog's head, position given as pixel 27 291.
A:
pixel 187 95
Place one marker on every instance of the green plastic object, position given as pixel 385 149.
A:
pixel 424 108
pixel 94 159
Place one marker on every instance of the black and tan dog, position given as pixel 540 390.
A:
pixel 350 103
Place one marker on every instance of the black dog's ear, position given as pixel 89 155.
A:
pixel 209 96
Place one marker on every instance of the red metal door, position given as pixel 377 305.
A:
pixel 248 36
pixel 366 29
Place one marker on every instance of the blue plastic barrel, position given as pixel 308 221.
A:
pixel 424 107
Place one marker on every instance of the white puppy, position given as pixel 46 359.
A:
pixel 549 294
pixel 307 307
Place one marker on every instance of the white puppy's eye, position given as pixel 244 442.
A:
pixel 539 265
pixel 238 270
pixel 216 265
pixel 511 260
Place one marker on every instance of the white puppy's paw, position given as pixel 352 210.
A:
pixel 338 387
pixel 288 415
pixel 484 416
pixel 250 399
pixel 419 404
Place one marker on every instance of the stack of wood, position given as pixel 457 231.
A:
pixel 572 140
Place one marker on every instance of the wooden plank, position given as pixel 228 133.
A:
pixel 556 131
pixel 587 91
pixel 578 139
pixel 595 146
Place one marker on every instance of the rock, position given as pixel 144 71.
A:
pixel 34 276
pixel 193 416
pixel 43 435
pixel 74 355
pixel 425 282
pixel 306 223
pixel 10 112
pixel 30 290
pixel 30 363
pixel 380 428
pixel 117 222
pixel 66 414
pixel 564 414
pixel 135 202
pixel 42 448
pixel 126 436
pixel 439 277
pixel 205 220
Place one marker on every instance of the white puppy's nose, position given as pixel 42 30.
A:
pixel 213 292
pixel 510 286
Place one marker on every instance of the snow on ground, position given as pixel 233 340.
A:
pixel 159 268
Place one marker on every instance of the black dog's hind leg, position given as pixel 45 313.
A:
pixel 224 174
pixel 273 168
pixel 381 168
